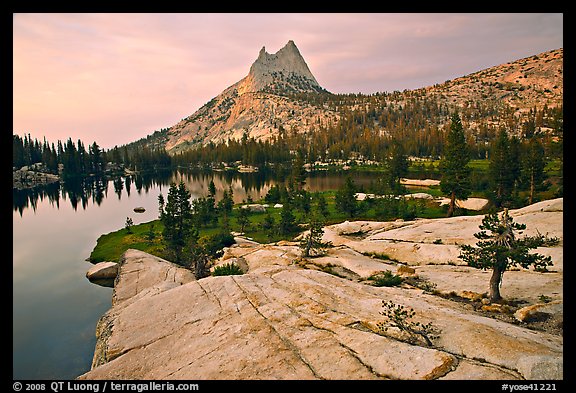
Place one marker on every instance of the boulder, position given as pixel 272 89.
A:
pixel 102 271
pixel 497 308
pixel 243 241
pixel 471 295
pixel 419 182
pixel 405 271
pixel 470 203
pixel 255 207
pixel 345 258
pixel 360 227
pixel 419 195
pixel 528 313
pixel 361 196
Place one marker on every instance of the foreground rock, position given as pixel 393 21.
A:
pixel 292 318
pixel 284 322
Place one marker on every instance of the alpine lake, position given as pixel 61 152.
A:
pixel 55 228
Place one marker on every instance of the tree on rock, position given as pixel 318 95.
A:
pixel 498 249
pixel 311 243
pixel 454 165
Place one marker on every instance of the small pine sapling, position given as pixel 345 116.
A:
pixel 400 317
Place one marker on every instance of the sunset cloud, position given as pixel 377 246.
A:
pixel 114 78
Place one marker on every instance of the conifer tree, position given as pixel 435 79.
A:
pixel 268 225
pixel 212 189
pixel 298 174
pixel 311 243
pixel 287 222
pixel 176 215
pixel 499 248
pixel 397 167
pixel 500 175
pixel 345 198
pixel 455 180
pixel 533 166
pixel 242 219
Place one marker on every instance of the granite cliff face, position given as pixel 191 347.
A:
pixel 284 70
pixel 294 318
pixel 257 105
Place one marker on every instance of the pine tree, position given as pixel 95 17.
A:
pixel 298 174
pixel 500 175
pixel 287 224
pixel 514 163
pixel 345 198
pixel 321 204
pixel 242 219
pixel 533 166
pixel 96 161
pixel 455 180
pixel 500 249
pixel 397 167
pixel 176 215
pixel 311 243
pixel 226 204
pixel 268 225
pixel 212 189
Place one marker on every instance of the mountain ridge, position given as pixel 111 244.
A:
pixel 263 104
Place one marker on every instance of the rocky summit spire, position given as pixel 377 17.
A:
pixel 283 71
pixel 258 105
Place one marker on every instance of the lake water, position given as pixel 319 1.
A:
pixel 55 308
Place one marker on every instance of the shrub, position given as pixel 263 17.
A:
pixel 128 225
pixel 216 242
pixel 227 269
pixel 544 299
pixel 385 279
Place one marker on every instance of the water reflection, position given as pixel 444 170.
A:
pixel 81 192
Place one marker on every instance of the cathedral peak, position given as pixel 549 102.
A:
pixel 285 69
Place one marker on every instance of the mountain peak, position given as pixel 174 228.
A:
pixel 279 72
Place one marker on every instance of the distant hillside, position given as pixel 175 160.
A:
pixel 524 84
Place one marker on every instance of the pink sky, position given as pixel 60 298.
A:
pixel 115 78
